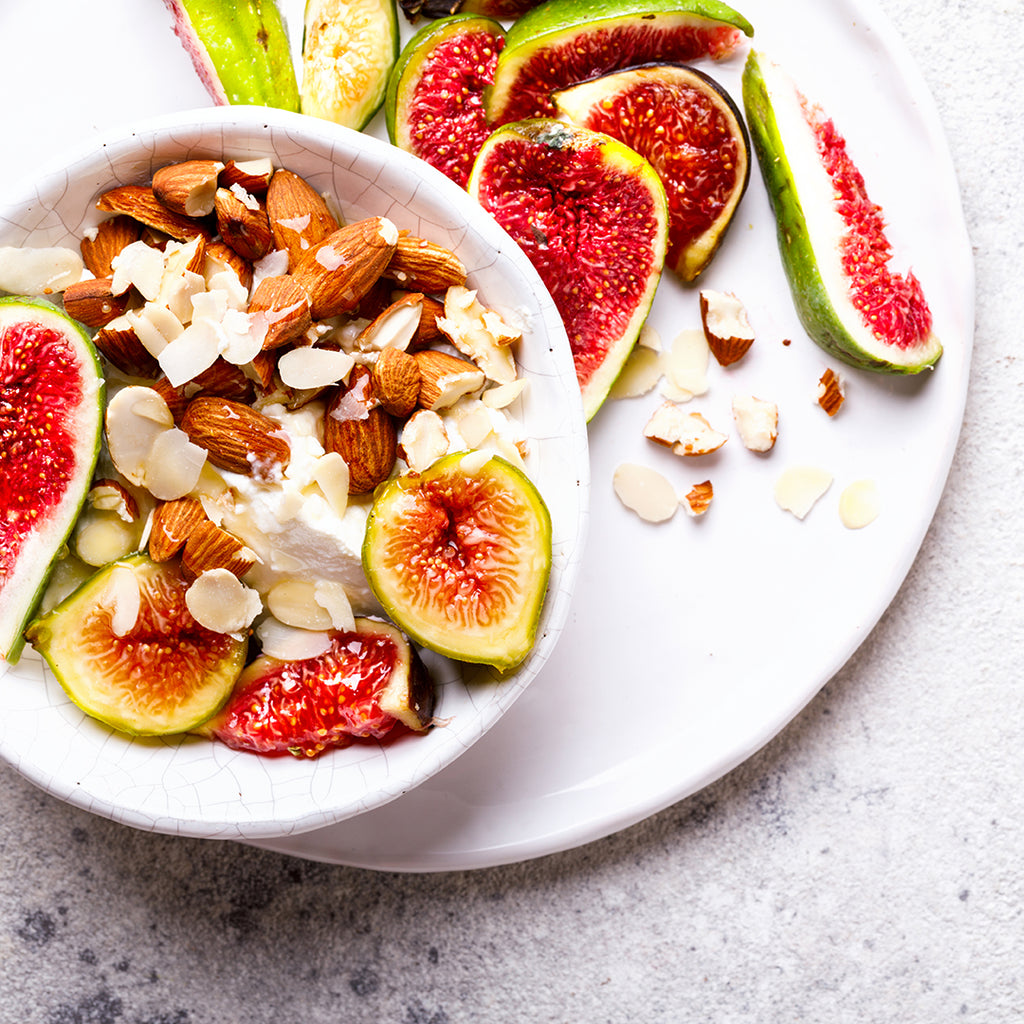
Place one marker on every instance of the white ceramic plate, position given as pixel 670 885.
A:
pixel 691 644
pixel 191 786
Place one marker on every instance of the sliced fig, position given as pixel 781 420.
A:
pixel 128 652
pixel 365 683
pixel 240 50
pixel 831 235
pixel 51 419
pixel 505 9
pixel 348 50
pixel 459 556
pixel 434 106
pixel 567 41
pixel 590 214
pixel 692 133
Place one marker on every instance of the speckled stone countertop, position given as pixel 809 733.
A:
pixel 864 866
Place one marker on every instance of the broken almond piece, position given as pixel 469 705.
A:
pixel 445 378
pixel 188 188
pixel 140 203
pixel 646 492
pixel 112 496
pixel 726 326
pixel 830 394
pixel 799 488
pixel 479 333
pixel 697 500
pixel 424 440
pixel 394 327
pixel 859 504
pixel 106 240
pixel 757 422
pixel 252 175
pixel 686 433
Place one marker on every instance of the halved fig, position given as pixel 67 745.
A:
pixel 591 216
pixel 129 653
pixel 692 133
pixel 51 419
pixel 567 41
pixel 367 681
pixel 459 556
pixel 831 235
pixel 434 104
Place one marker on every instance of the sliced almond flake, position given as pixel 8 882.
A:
pixel 645 491
pixel 173 465
pixel 649 337
pixel 176 293
pixel 331 596
pixel 103 537
pixel 242 336
pixel 42 271
pixel 643 369
pixel 294 603
pixel 227 283
pixel 859 504
pixel 475 424
pixel 510 450
pixel 686 363
pixel 799 488
pixel 473 462
pixel 274 264
pixel 193 351
pixel 124 600
pixel 155 326
pixel 503 395
pixel 330 472
pixel 135 417
pixel 289 643
pixel 424 439
pixel 218 600
pixel 140 265
pixel 309 367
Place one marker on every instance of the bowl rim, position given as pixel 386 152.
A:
pixel 313 136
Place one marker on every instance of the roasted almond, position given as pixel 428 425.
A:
pixel 830 394
pixel 108 495
pixel 427 333
pixel 172 525
pixel 362 433
pixel 236 437
pixel 211 547
pixel 140 203
pixel 92 302
pixel 218 256
pixel 108 239
pixel 396 381
pixel 423 266
pixel 726 326
pixel 445 378
pixel 242 227
pixel 285 306
pixel 252 175
pixel 120 346
pixel 342 268
pixel 188 188
pixel 299 216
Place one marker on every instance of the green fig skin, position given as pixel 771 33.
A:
pixel 816 306
pixel 21 594
pixel 240 50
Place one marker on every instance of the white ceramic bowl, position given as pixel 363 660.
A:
pixel 190 786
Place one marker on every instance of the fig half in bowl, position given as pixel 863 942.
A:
pixel 191 784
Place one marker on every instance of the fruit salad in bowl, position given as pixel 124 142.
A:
pixel 295 475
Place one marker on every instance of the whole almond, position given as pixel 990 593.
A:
pixel 210 547
pixel 286 306
pixel 91 302
pixel 120 346
pixel 110 237
pixel 244 228
pixel 339 271
pixel 423 266
pixel 236 437
pixel 173 523
pixel 396 381
pixel 362 433
pixel 140 203
pixel 299 216
pixel 188 188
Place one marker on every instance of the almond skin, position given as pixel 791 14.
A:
pixel 362 433
pixel 111 236
pixel 92 302
pixel 236 437
pixel 339 271
pixel 173 524
pixel 299 216
pixel 245 230
pixel 188 187
pixel 423 266
pixel 140 203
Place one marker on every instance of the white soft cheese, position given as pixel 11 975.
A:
pixel 291 525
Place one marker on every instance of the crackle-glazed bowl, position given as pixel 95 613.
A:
pixel 192 786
